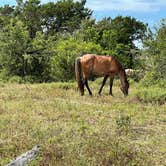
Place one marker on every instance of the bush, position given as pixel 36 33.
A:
pixel 15 79
pixel 32 79
pixel 152 78
pixel 155 56
pixel 3 75
pixel 152 94
pixel 66 51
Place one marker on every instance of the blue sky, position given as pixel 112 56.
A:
pixel 148 11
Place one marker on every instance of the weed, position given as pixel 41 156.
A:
pixel 123 123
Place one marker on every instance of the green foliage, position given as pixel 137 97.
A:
pixel 28 35
pixel 129 29
pixel 66 51
pixel 64 85
pixel 150 78
pixel 116 37
pixel 87 31
pixel 15 79
pixel 122 52
pixel 13 45
pixel 109 40
pixel 6 13
pixel 41 41
pixel 39 57
pixel 30 14
pixel 51 16
pixel 153 94
pixel 3 75
pixel 124 30
pixel 155 57
pixel 22 56
pixel 123 123
pixel 56 20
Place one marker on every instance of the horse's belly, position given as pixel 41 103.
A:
pixel 101 72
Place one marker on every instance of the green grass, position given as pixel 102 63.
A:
pixel 76 130
pixel 152 94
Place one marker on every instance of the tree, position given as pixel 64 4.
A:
pixel 155 55
pixel 6 13
pixel 21 56
pixel 29 12
pixel 64 16
pixel 42 40
pixel 129 30
pixel 13 43
pixel 120 31
pixel 87 31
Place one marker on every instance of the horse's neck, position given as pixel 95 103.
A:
pixel 123 77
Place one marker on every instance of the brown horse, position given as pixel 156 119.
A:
pixel 94 65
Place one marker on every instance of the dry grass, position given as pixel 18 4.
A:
pixel 75 130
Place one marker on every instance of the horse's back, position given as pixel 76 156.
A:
pixel 99 65
pixel 89 58
pixel 102 65
pixel 94 63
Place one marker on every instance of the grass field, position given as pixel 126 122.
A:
pixel 74 130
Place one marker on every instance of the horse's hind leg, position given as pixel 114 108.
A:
pixel 111 84
pixel 87 86
pixel 103 83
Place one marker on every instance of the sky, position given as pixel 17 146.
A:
pixel 147 11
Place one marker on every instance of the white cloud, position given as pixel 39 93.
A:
pixel 127 5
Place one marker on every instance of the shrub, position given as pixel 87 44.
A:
pixel 152 78
pixel 3 75
pixel 152 94
pixel 66 51
pixel 15 79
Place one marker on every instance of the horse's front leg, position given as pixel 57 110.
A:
pixel 87 86
pixel 102 85
pixel 111 84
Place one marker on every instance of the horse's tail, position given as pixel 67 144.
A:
pixel 78 74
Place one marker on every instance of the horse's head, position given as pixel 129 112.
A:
pixel 125 88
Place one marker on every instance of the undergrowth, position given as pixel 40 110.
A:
pixel 152 94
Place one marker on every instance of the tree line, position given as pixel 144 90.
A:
pixel 39 42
